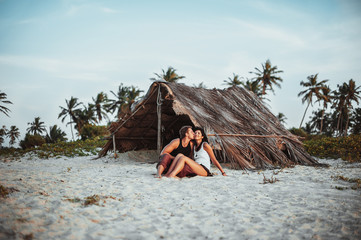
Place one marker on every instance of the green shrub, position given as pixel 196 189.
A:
pixel 69 149
pixel 90 131
pixel 31 141
pixel 347 148
pixel 298 132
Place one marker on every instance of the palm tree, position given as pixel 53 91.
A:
pixel 234 81
pixel 70 110
pixel 315 122
pixel 13 134
pixel 325 97
pixel 307 128
pixel 117 103
pixel 254 87
pixel 327 124
pixel 132 96
pixel 200 85
pixel 85 116
pixel 37 127
pixel 4 109
pixel 313 89
pixel 339 99
pixel 356 121
pixel 124 98
pixel 281 117
pixel 99 103
pixel 55 134
pixel 346 94
pixel 267 76
pixel 170 75
pixel 3 133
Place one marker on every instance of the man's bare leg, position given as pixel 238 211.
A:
pixel 160 170
pixel 165 162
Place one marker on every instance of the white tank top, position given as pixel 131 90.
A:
pixel 202 157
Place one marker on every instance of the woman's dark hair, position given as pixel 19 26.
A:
pixel 204 139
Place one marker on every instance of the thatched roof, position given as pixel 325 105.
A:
pixel 240 128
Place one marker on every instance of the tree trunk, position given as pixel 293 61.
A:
pixel 346 127
pixel 71 128
pixel 323 113
pixel 338 123
pixel 304 114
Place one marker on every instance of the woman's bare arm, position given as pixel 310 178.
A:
pixel 213 158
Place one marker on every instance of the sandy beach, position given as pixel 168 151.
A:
pixel 130 203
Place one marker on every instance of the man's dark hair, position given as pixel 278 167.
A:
pixel 183 131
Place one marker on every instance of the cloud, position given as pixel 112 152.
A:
pixel 270 33
pixel 82 76
pixel 44 64
pixel 27 21
pixel 109 10
pixel 73 10
pixel 62 65
pixel 76 9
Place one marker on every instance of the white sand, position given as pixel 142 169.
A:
pixel 303 204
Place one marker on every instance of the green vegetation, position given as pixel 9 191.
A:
pixel 347 148
pixel 88 147
pixel 91 200
pixel 269 180
pixel 267 77
pixel 170 75
pixel 32 141
pixel 3 100
pixel 356 181
pixel 4 191
pixel 90 131
pixel 329 123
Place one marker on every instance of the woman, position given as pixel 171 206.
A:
pixel 202 154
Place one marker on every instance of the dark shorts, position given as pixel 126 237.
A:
pixel 165 160
pixel 186 172
pixel 209 174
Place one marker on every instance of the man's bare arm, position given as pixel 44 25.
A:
pixel 170 146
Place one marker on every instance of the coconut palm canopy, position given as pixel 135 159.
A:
pixel 240 128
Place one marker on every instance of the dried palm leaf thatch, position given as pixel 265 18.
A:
pixel 240 128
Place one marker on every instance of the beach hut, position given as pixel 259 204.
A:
pixel 240 128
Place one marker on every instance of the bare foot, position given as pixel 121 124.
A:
pixel 170 176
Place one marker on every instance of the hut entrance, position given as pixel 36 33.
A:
pixel 171 126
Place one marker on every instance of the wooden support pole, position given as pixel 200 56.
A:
pixel 136 138
pixel 114 147
pixel 159 115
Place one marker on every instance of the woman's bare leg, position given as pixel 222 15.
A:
pixel 172 166
pixel 196 168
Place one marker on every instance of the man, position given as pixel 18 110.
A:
pixel 182 145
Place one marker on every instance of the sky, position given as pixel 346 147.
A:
pixel 53 50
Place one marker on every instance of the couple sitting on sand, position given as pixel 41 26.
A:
pixel 187 156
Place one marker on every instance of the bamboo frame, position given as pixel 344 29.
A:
pixel 250 135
